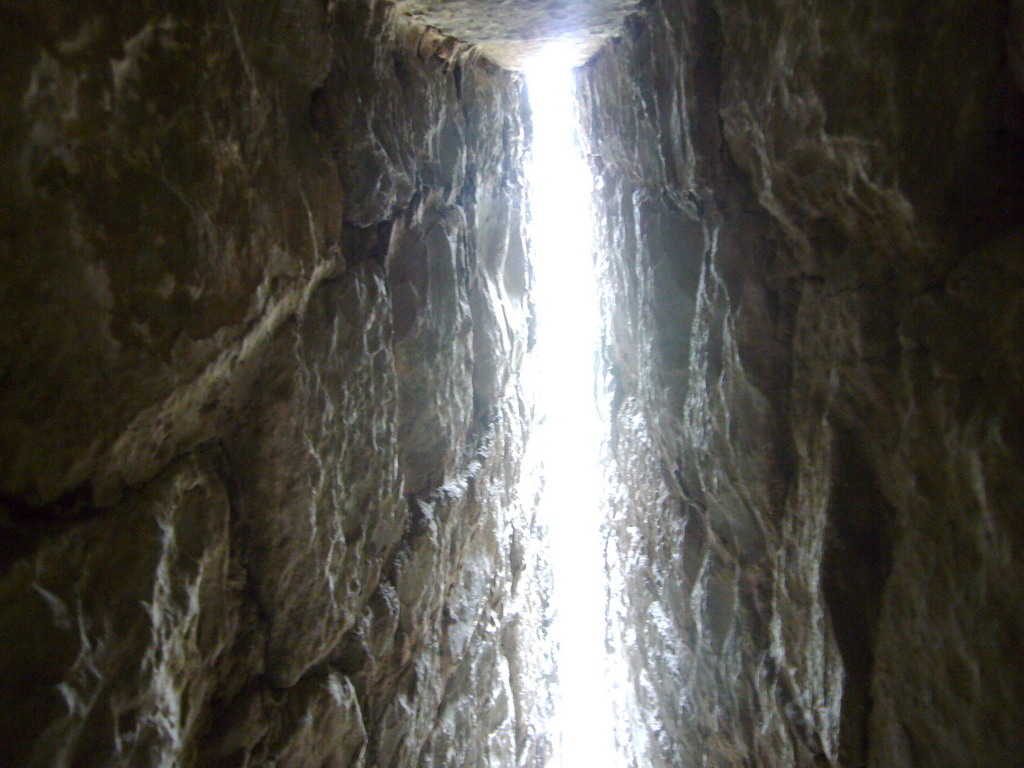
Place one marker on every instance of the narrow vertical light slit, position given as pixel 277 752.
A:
pixel 570 431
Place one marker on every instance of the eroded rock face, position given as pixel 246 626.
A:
pixel 812 215
pixel 264 305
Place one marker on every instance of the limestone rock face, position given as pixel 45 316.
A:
pixel 264 302
pixel 813 216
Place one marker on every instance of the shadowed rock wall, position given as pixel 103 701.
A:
pixel 813 219
pixel 263 307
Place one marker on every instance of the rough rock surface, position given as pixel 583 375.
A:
pixel 812 214
pixel 264 304
pixel 263 308
pixel 511 31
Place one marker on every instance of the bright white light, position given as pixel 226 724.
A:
pixel 570 434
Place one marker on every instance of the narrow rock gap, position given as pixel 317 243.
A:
pixel 570 430
pixel 267 496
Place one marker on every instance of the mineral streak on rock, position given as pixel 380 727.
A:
pixel 812 217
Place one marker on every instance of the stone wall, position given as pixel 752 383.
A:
pixel 263 308
pixel 812 217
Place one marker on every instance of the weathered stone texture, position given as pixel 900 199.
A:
pixel 512 31
pixel 263 308
pixel 812 217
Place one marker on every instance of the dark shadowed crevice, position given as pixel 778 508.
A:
pixel 854 571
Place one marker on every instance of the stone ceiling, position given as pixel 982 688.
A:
pixel 510 31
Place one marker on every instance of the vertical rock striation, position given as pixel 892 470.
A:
pixel 812 216
pixel 264 305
